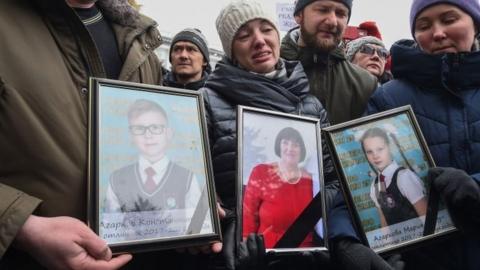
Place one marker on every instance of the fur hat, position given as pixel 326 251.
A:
pixel 301 4
pixel 355 45
pixel 471 7
pixel 234 16
pixel 194 36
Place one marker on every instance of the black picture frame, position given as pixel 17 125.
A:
pixel 136 129
pixel 300 221
pixel 388 218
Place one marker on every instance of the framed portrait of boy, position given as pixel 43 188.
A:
pixel 280 180
pixel 150 179
pixel 383 162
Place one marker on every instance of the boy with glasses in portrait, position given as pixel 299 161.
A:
pixel 153 186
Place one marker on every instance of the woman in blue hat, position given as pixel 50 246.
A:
pixel 438 75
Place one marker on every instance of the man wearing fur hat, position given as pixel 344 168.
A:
pixel 190 59
pixel 49 49
pixel 369 53
pixel 342 88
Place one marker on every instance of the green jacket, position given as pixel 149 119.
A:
pixel 46 57
pixel 343 88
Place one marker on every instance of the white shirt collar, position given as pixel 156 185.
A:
pixel 160 167
pixel 390 169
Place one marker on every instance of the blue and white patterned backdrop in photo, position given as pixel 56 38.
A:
pixel 357 170
pixel 115 147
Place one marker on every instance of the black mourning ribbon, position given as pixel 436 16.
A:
pixel 303 225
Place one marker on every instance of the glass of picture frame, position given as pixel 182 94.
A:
pixel 280 180
pixel 150 180
pixel 383 163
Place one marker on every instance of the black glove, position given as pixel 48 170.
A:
pixel 306 260
pixel 229 238
pixel 251 252
pixel 350 255
pixel 461 194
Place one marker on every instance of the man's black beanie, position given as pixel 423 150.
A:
pixel 194 36
pixel 301 4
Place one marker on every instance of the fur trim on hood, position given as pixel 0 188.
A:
pixel 119 11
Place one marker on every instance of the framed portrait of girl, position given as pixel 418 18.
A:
pixel 383 164
pixel 280 181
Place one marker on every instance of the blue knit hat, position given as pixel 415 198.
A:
pixel 301 4
pixel 471 7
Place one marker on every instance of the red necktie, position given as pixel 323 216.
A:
pixel 383 186
pixel 150 184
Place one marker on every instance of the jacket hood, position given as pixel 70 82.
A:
pixel 117 11
pixel 308 56
pixel 456 71
pixel 241 87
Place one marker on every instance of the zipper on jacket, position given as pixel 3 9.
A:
pixel 300 109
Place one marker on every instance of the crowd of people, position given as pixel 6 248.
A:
pixel 49 49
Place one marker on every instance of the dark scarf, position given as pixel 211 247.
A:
pixel 241 87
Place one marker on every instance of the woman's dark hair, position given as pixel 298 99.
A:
pixel 290 134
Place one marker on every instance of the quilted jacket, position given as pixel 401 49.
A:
pixel 444 92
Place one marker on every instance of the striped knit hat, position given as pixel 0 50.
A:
pixel 234 16
pixel 196 37
pixel 355 45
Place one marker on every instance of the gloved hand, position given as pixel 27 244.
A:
pixel 307 260
pixel 395 261
pixel 351 255
pixel 229 238
pixel 461 194
pixel 251 252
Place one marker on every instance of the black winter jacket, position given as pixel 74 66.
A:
pixel 172 82
pixel 229 86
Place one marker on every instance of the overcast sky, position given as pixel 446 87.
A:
pixel 172 16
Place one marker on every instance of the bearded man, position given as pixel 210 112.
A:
pixel 343 88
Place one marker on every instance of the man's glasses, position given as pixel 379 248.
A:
pixel 369 50
pixel 140 130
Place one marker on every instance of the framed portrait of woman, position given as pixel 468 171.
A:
pixel 150 179
pixel 280 181
pixel 383 163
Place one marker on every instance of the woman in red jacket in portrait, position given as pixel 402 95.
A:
pixel 278 192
